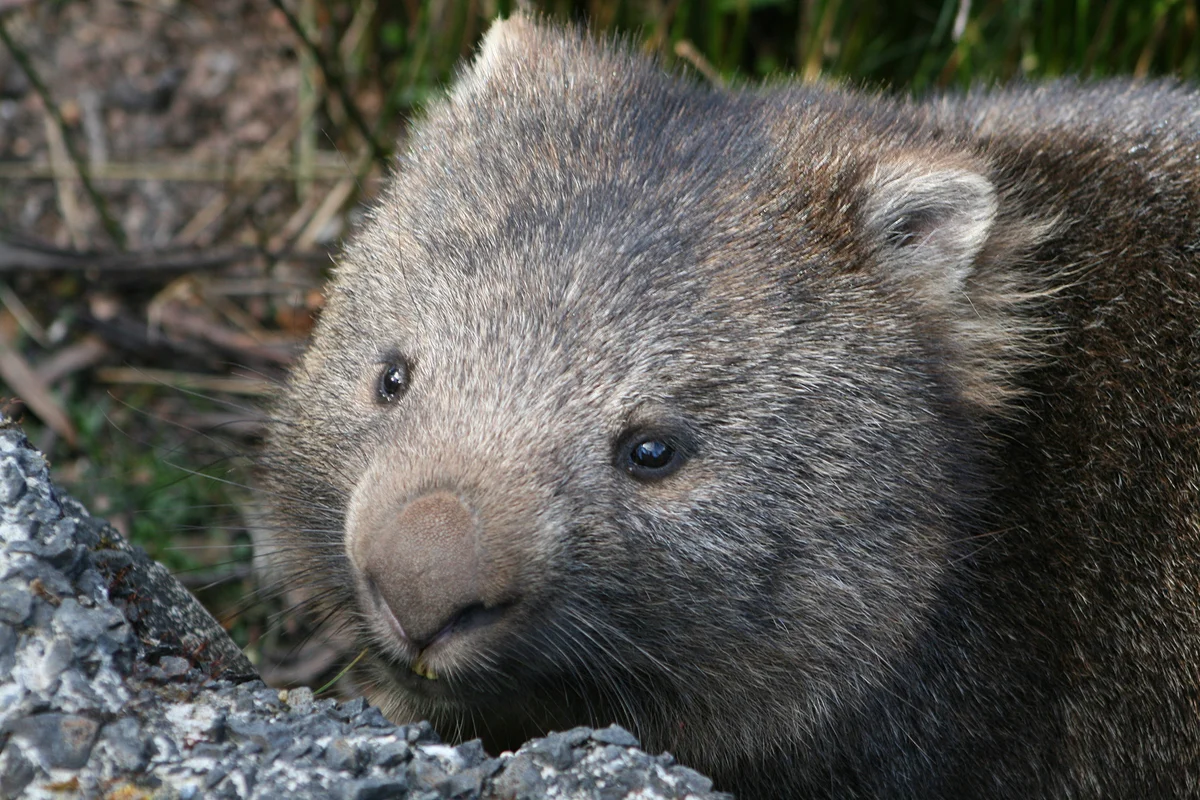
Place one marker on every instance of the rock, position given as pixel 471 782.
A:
pixel 615 734
pixel 16 771
pixel 55 741
pixel 15 602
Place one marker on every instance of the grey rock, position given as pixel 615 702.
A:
pixel 123 747
pixel 392 754
pixel 75 692
pixel 428 772
pixel 50 581
pixel 83 626
pixel 44 663
pixel 344 756
pixel 16 771
pixel 378 788
pixel 351 709
pixel 50 552
pixel 60 741
pixel 422 733
pixel 92 586
pixel 577 736
pixel 297 750
pixel 465 784
pixel 267 697
pixel 472 752
pixel 615 734
pixel 521 779
pixel 12 482
pixel 300 700
pixel 372 717
pixel 553 751
pixel 15 602
pixel 215 776
pixel 692 780
pixel 8 648
pixel 173 666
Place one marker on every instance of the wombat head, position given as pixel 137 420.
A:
pixel 640 401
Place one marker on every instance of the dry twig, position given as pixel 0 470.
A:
pixel 333 80
pixel 28 386
pixel 81 168
pixel 193 381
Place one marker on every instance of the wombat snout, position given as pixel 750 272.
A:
pixel 418 566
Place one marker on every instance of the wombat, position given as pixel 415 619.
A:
pixel 843 446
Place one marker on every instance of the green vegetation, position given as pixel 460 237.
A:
pixel 919 45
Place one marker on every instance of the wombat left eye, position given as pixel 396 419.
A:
pixel 393 381
pixel 651 457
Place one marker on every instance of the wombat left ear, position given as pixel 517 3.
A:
pixel 929 224
pixel 505 41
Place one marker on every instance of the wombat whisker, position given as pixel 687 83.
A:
pixel 599 661
pixel 320 624
pixel 316 596
pixel 193 432
pixel 612 632
pixel 253 413
pixel 137 512
pixel 231 483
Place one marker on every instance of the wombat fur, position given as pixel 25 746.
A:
pixel 841 445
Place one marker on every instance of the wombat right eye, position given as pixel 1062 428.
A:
pixel 393 381
pixel 650 457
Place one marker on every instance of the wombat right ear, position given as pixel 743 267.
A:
pixel 928 223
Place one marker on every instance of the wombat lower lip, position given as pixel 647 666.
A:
pixel 844 446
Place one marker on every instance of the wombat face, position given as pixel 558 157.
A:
pixel 636 401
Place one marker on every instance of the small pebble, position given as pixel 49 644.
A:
pixel 12 482
pixel 615 734
pixel 174 666
pixel 16 602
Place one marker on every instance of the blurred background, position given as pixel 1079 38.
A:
pixel 175 179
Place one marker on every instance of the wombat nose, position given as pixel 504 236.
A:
pixel 421 563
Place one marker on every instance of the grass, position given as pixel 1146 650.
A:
pixel 915 46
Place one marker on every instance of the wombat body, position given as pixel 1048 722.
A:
pixel 840 445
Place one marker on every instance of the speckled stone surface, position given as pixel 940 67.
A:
pixel 114 682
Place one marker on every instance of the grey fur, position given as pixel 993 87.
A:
pixel 935 369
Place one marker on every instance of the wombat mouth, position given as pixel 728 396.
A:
pixel 472 617
pixel 458 625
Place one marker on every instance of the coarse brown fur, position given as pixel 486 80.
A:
pixel 931 375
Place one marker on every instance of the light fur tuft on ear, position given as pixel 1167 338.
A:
pixel 929 223
pixel 940 237
pixel 504 38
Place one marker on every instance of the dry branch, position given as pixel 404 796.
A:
pixel 81 167
pixel 30 388
pixel 333 80
pixel 26 257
